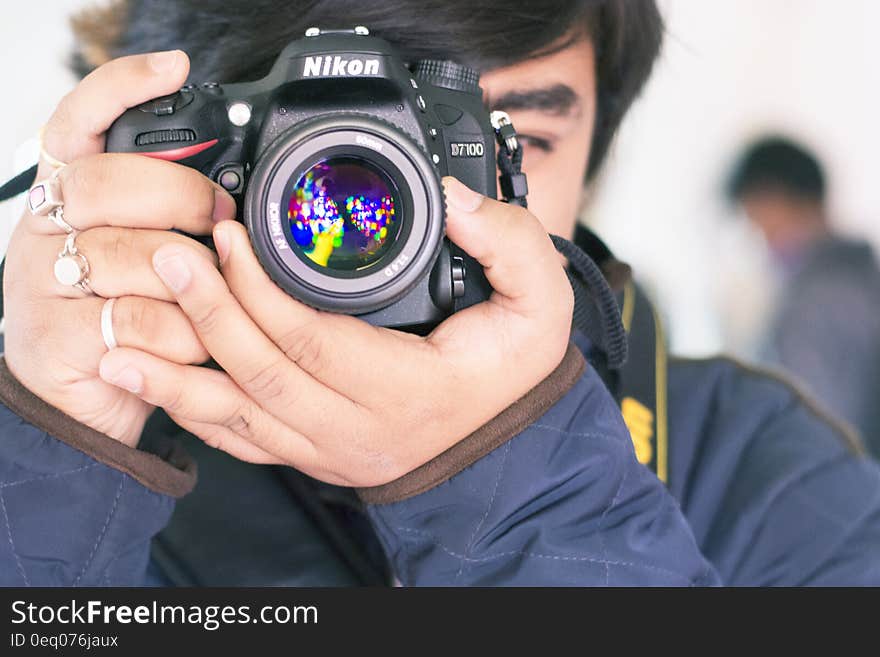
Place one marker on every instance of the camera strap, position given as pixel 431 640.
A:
pixel 19 184
pixel 514 187
pixel 640 385
pixel 596 311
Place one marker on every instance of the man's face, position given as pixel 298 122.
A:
pixel 552 103
pixel 787 224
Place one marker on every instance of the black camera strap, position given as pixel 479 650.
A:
pixel 11 188
pixel 596 311
pixel 18 185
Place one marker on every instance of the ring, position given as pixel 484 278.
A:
pixel 45 199
pixel 107 324
pixel 51 161
pixel 57 218
pixel 71 267
pixel 45 195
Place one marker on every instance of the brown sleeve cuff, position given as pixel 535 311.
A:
pixel 504 426
pixel 173 474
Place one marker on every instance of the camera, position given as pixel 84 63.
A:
pixel 334 160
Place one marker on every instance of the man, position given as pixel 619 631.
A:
pixel 482 454
pixel 826 330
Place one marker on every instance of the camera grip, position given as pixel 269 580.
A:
pixel 182 127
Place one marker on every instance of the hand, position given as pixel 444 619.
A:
pixel 335 397
pixel 123 204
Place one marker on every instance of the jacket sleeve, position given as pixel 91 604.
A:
pixel 76 507
pixel 562 503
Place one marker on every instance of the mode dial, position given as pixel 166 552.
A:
pixel 447 74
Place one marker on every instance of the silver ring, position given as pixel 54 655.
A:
pixel 57 218
pixel 107 324
pixel 54 162
pixel 45 195
pixel 71 266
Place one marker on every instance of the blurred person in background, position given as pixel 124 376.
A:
pixel 826 327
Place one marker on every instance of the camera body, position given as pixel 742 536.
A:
pixel 334 160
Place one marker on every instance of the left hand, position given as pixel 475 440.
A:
pixel 341 400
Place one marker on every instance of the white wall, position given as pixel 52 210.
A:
pixel 35 41
pixel 730 69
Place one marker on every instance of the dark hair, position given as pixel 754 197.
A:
pixel 233 41
pixel 777 164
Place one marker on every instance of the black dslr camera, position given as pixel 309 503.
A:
pixel 335 159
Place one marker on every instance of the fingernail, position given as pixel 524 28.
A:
pixel 163 62
pixel 461 197
pixel 221 243
pixel 127 377
pixel 224 206
pixel 172 270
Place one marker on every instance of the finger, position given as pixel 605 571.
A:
pixel 120 261
pixel 225 440
pixel 82 117
pixel 123 189
pixel 159 328
pixel 510 244
pixel 204 396
pixel 244 351
pixel 325 345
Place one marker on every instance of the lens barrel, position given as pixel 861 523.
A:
pixel 345 212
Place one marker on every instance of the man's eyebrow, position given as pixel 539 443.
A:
pixel 558 100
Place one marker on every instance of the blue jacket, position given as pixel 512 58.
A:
pixel 761 490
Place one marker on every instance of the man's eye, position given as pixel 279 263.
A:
pixel 530 141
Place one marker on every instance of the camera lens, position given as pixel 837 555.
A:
pixel 343 214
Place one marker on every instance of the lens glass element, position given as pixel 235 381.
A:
pixel 344 214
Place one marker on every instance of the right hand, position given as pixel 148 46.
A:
pixel 123 206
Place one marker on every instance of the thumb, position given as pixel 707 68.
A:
pixel 511 245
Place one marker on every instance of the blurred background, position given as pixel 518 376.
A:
pixel 731 70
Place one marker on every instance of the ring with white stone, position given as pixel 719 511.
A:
pixel 107 324
pixel 71 267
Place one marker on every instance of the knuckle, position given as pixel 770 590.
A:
pixel 240 420
pixel 207 319
pixel 530 227
pixel 62 118
pixel 175 402
pixel 267 383
pixel 303 346
pixel 117 245
pixel 84 178
pixel 73 182
pixel 132 318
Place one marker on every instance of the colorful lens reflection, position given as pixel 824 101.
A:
pixel 342 214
